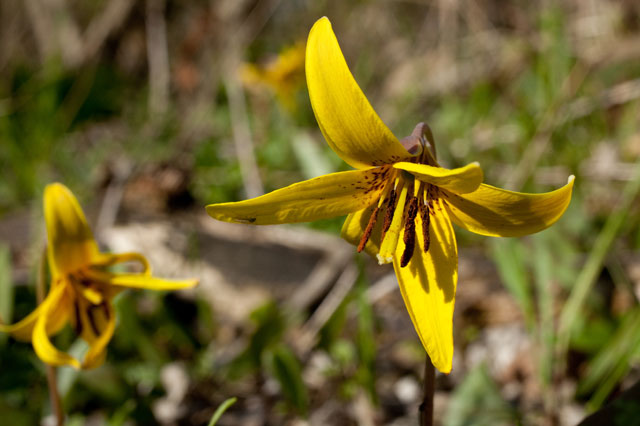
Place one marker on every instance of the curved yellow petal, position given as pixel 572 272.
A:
pixel 331 195
pixel 23 329
pixel 109 259
pixel 143 281
pixel 500 213
pixel 54 311
pixel 349 124
pixel 428 287
pixel 460 181
pixel 106 326
pixel 71 243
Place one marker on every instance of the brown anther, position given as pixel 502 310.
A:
pixel 78 323
pixel 409 237
pixel 388 217
pixel 426 219
pixel 368 229
pixel 92 320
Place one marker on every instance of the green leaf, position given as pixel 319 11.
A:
pixel 288 372
pixel 610 365
pixel 221 409
pixel 509 256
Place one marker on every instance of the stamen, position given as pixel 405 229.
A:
pixel 426 210
pixel 78 320
pixel 369 229
pixel 388 217
pixel 426 219
pixel 409 237
pixel 92 320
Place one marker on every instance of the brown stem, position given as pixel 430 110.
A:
pixel 426 408
pixel 54 396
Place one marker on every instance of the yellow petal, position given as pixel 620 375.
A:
pixel 106 326
pixel 500 213
pixel 54 311
pixel 355 225
pixel 460 181
pixel 143 281
pixel 109 259
pixel 349 124
pixel 71 243
pixel 331 195
pixel 428 287
pixel 23 329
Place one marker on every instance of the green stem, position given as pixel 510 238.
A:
pixel 54 396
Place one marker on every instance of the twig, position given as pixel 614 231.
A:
pixel 54 396
pixel 320 278
pixel 100 27
pixel 326 308
pixel 426 408
pixel 158 58
pixel 242 139
pixel 113 195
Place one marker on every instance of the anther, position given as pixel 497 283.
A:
pixel 409 237
pixel 388 217
pixel 368 229
pixel 92 320
pixel 426 219
pixel 78 321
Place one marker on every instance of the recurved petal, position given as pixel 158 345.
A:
pixel 109 259
pixel 143 281
pixel 460 181
pixel 331 195
pixel 23 329
pixel 500 213
pixel 349 124
pixel 71 243
pixel 54 312
pixel 428 287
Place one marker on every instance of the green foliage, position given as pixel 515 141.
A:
pixel 287 370
pixel 6 289
pixel 221 409
pixel 477 401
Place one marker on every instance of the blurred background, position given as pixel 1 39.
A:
pixel 148 110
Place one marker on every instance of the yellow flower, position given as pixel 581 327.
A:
pixel 397 190
pixel 283 75
pixel 81 288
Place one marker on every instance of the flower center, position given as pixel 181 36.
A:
pixel 90 305
pixel 402 200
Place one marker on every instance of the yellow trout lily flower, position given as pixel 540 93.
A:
pixel 283 75
pixel 82 288
pixel 400 202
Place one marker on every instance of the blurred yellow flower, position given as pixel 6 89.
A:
pixel 398 189
pixel 283 75
pixel 82 288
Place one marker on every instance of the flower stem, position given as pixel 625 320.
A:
pixel 54 396
pixel 426 408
